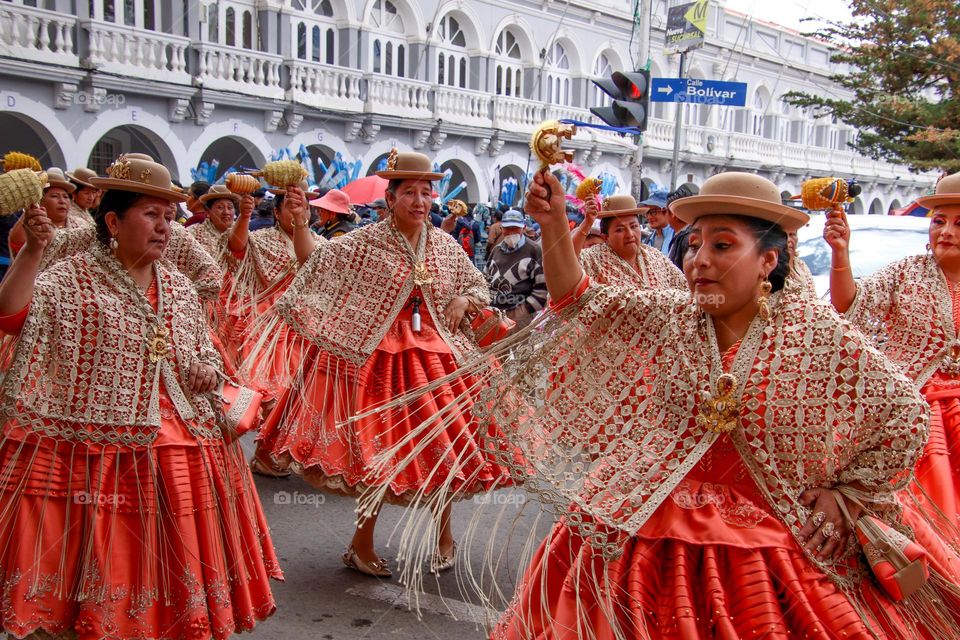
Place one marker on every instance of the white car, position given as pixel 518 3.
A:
pixel 875 242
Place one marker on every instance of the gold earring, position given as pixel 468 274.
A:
pixel 763 302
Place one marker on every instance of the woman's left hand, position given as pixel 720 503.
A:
pixel 453 314
pixel 827 530
pixel 202 378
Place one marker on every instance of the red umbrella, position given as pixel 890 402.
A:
pixel 366 190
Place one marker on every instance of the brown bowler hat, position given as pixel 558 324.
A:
pixel 615 206
pixel 137 172
pixel 948 192
pixel 55 178
pixel 741 194
pixel 81 177
pixel 409 166
pixel 219 192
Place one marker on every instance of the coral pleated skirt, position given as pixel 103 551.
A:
pixel 166 540
pixel 309 428
pixel 712 562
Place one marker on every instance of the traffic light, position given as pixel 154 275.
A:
pixel 630 91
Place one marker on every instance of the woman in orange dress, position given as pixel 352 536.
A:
pixel 911 309
pixel 124 509
pixel 698 448
pixel 383 309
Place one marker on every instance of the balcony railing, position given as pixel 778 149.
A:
pixel 146 54
pixel 516 114
pixel 324 86
pixel 239 70
pixel 393 96
pixel 37 35
pixel 461 106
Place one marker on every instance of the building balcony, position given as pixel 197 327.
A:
pixel 516 114
pixel 461 106
pixel 401 97
pixel 37 35
pixel 238 70
pixel 325 87
pixel 138 53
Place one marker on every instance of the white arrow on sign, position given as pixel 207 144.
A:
pixel 667 90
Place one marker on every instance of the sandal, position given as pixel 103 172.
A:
pixel 261 468
pixel 378 569
pixel 439 563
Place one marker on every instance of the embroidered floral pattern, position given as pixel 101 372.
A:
pixel 653 271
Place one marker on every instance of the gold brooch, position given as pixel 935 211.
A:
pixel 392 160
pixel 951 365
pixel 120 169
pixel 158 347
pixel 420 275
pixel 720 411
pixel 145 175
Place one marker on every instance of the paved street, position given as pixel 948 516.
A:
pixel 322 599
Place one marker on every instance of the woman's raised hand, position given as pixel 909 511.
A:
pixel 38 228
pixel 546 202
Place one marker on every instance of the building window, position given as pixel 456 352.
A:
pixel 247 30
pixel 601 71
pixel 331 46
pixel 558 75
pixel 385 18
pixel 231 27
pixel 213 23
pixel 509 73
pixel 452 54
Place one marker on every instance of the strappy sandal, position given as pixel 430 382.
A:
pixel 439 563
pixel 377 569
pixel 260 468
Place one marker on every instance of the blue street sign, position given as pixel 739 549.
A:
pixel 729 94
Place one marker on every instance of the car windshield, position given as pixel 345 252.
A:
pixel 873 246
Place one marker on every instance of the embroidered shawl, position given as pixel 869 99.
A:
pixel 82 368
pixel 346 296
pixel 183 254
pixel 906 308
pixel 800 279
pixel 79 218
pixel 603 401
pixel 604 266
pixel 213 241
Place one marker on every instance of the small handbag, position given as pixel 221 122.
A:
pixel 489 325
pixel 898 563
pixel 241 407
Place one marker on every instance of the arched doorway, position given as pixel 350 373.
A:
pixel 379 164
pixel 876 207
pixel 856 208
pixel 895 204
pixel 26 135
pixel 131 139
pixel 230 153
pixel 511 183
pixel 460 173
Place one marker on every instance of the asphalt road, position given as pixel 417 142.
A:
pixel 322 599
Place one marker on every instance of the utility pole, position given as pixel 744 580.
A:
pixel 678 125
pixel 645 13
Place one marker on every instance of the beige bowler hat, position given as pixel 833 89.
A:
pixel 623 205
pixel 55 178
pixel 409 166
pixel 220 192
pixel 948 192
pixel 741 194
pixel 137 172
pixel 82 176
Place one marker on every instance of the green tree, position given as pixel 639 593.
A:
pixel 904 73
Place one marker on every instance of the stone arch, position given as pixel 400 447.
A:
pixel 154 128
pixel 377 150
pixel 573 53
pixel 466 164
pixel 413 21
pixel 26 135
pixel 876 208
pixel 613 55
pixel 894 204
pixel 130 138
pixel 250 137
pixel 524 35
pixel 470 23
pixel 231 152
pixel 856 207
pixel 515 171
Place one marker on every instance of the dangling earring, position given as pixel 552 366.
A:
pixel 929 251
pixel 113 244
pixel 763 302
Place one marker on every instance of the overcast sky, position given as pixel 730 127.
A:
pixel 789 12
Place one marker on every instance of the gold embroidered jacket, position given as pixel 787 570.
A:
pixel 907 308
pixel 347 295
pixel 604 266
pixel 93 353
pixel 183 254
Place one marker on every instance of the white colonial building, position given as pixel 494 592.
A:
pixel 462 80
